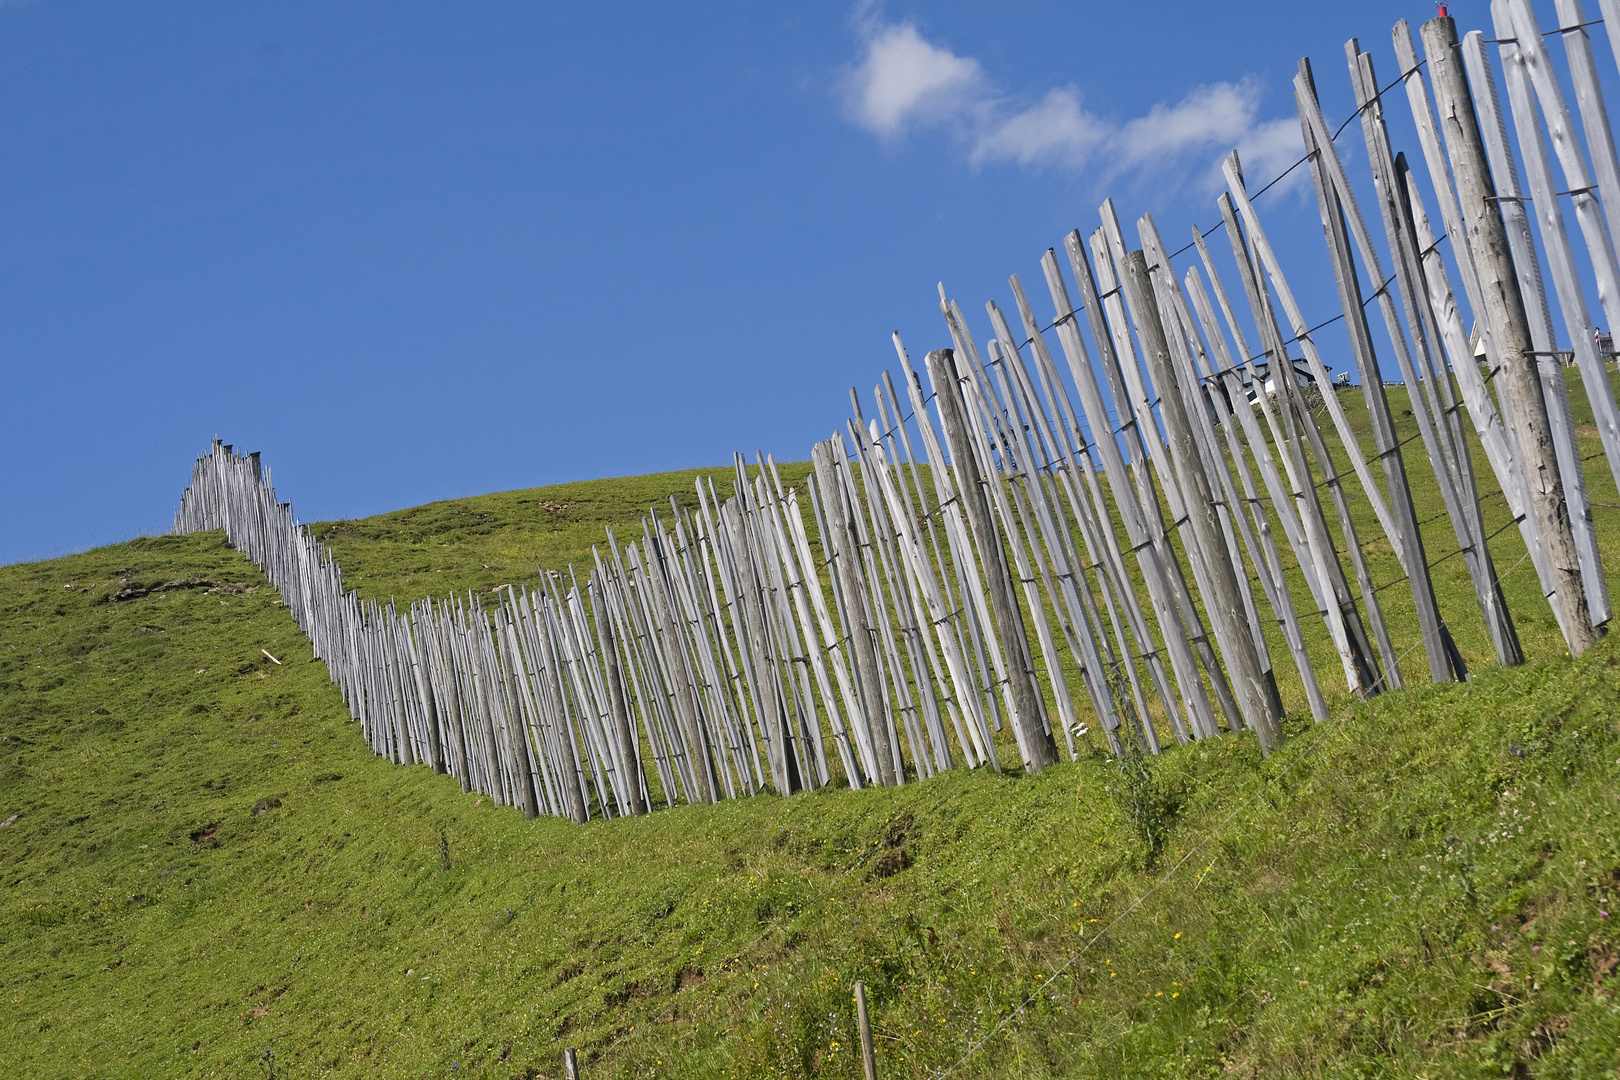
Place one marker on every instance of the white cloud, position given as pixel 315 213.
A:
pixel 1056 130
pixel 903 82
pixel 1214 116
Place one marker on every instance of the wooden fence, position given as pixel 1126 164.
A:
pixel 1063 522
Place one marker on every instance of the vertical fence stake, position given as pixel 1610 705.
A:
pixel 1036 744
pixel 570 1065
pixel 1508 329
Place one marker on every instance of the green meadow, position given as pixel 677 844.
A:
pixel 206 872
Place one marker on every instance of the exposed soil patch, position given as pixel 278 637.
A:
pixel 891 863
pixel 136 590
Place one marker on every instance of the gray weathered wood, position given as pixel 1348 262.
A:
pixel 1224 602
pixel 1298 415
pixel 1435 406
pixel 1571 296
pixel 864 1024
pixel 1073 471
pixel 1035 744
pixel 858 627
pixel 1504 311
pixel 1267 561
pixel 1335 203
pixel 1110 250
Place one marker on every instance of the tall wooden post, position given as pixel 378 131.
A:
pixel 681 681
pixel 1226 603
pixel 567 767
pixel 858 623
pixel 1036 744
pixel 1505 321
pixel 608 643
pixel 1444 662
pixel 528 798
pixel 758 652
pixel 430 707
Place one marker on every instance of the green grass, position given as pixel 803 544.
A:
pixel 483 542
pixel 210 875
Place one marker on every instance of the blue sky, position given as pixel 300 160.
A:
pixel 412 251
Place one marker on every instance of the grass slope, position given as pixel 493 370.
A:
pixel 485 541
pixel 207 874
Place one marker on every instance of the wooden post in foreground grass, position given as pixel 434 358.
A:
pixel 570 1064
pixel 1506 323
pixel 868 1058
pixel 1037 746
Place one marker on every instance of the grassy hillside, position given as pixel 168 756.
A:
pixel 207 874
pixel 483 542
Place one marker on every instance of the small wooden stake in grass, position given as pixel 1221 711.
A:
pixel 570 1065
pixel 868 1059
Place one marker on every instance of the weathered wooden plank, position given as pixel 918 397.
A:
pixel 910 521
pixel 624 612
pixel 1504 311
pixel 971 605
pixel 719 722
pixel 1006 654
pixel 1071 468
pixel 1571 296
pixel 805 727
pixel 1109 249
pixel 1300 415
pixel 1134 513
pixel 730 628
pixel 1499 445
pixel 1298 507
pixel 670 726
pixel 920 646
pixel 974 740
pixel 1186 349
pixel 1063 583
pixel 1440 428
pixel 1267 561
pixel 887 596
pixel 1522 245
pixel 840 539
pixel 1223 600
pixel 614 677
pixel 761 651
pixel 1034 743
pixel 1336 203
pixel 811 607
pixel 1011 507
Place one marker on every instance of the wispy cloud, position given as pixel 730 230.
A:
pixel 902 82
pixel 905 81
